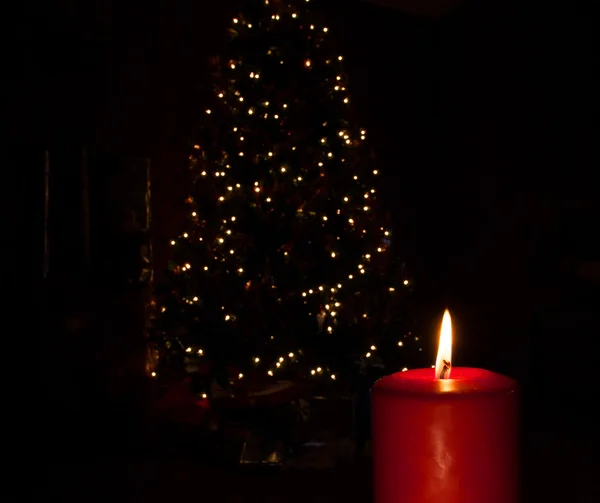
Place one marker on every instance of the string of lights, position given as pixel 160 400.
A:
pixel 292 159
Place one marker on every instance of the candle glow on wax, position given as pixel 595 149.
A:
pixel 443 362
pixel 438 439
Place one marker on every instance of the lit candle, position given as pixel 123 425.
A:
pixel 445 435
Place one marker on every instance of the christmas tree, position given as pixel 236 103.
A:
pixel 284 267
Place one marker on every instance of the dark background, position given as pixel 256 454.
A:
pixel 483 119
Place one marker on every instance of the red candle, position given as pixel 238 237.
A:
pixel 445 440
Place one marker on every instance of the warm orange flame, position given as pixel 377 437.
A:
pixel 444 356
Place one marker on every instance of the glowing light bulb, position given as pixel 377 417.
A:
pixel 172 243
pixel 307 63
pixel 208 111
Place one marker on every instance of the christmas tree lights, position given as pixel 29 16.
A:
pixel 285 248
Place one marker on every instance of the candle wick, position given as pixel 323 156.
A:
pixel 445 369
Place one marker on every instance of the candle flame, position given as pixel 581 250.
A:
pixel 444 355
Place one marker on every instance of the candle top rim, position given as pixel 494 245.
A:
pixel 463 381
